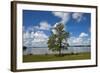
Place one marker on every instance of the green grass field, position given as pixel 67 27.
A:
pixel 37 58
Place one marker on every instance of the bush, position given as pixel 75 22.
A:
pixel 24 48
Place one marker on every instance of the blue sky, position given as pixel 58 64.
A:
pixel 37 26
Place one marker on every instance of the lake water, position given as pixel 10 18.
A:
pixel 47 51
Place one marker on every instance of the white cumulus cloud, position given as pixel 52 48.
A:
pixel 77 16
pixel 37 39
pixel 83 34
pixel 43 25
pixel 63 15
pixel 82 39
pixel 34 37
pixel 40 39
pixel 40 36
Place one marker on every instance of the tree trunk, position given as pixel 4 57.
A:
pixel 60 52
pixel 60 48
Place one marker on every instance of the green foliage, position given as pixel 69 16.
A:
pixel 52 44
pixel 56 40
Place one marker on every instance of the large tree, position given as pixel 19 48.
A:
pixel 58 41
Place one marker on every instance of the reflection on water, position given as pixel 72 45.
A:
pixel 47 51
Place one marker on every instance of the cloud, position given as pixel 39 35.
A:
pixel 43 26
pixel 77 16
pixel 37 39
pixel 59 14
pixel 82 39
pixel 34 36
pixel 27 37
pixel 40 39
pixel 75 41
pixel 64 16
pixel 40 36
pixel 83 34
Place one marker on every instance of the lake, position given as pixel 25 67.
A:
pixel 39 51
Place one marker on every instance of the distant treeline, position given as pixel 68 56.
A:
pixel 79 45
pixel 68 46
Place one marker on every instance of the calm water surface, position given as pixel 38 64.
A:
pixel 47 51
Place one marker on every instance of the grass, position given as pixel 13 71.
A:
pixel 37 58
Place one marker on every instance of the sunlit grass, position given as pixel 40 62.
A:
pixel 37 58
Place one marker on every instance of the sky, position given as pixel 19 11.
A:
pixel 38 25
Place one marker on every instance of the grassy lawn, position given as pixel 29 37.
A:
pixel 37 58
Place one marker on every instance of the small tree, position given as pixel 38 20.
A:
pixel 55 42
